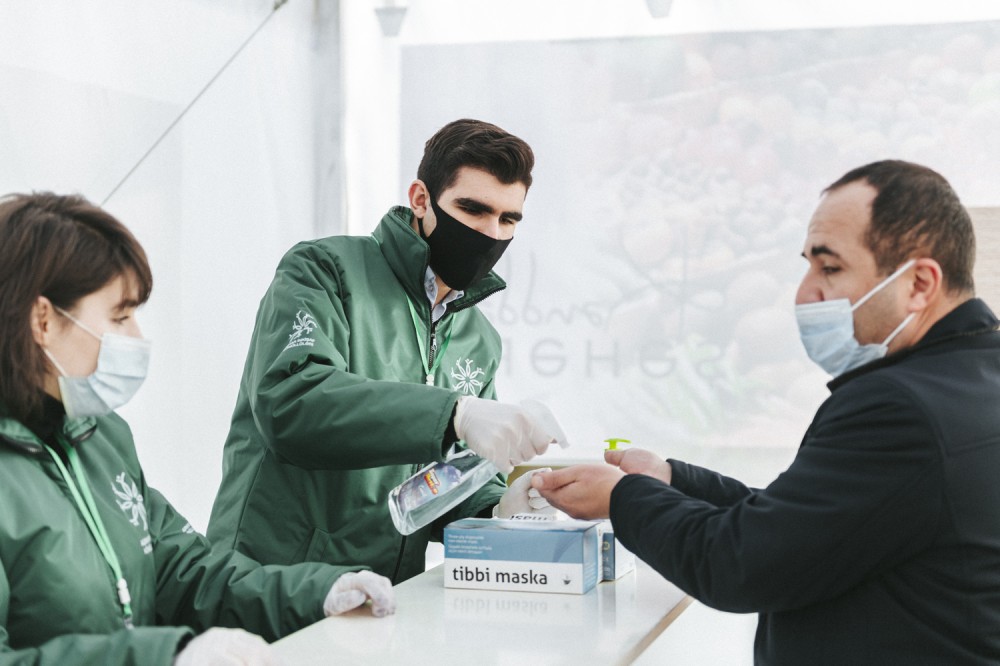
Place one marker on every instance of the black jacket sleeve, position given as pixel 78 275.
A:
pixel 705 484
pixel 862 495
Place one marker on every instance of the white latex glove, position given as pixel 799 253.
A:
pixel 227 647
pixel 355 588
pixel 505 434
pixel 522 498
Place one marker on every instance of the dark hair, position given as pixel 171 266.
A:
pixel 63 248
pixel 916 212
pixel 477 144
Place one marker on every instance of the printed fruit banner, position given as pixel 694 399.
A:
pixel 652 280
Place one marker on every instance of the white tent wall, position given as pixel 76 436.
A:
pixel 87 88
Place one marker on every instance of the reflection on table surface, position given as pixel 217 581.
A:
pixel 611 624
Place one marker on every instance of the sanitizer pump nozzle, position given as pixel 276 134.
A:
pixel 613 443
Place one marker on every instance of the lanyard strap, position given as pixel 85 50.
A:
pixel 429 370
pixel 88 508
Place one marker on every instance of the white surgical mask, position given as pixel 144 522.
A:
pixel 827 331
pixel 122 363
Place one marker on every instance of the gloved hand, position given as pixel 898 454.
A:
pixel 505 434
pixel 227 647
pixel 522 498
pixel 355 588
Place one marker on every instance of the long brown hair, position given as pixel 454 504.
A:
pixel 63 248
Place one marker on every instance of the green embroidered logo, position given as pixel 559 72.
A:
pixel 130 500
pixel 303 325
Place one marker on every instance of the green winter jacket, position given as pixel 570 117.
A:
pixel 58 603
pixel 333 410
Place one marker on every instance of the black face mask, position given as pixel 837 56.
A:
pixel 460 255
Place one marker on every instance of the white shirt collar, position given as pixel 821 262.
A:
pixel 430 286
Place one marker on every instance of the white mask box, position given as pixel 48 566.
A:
pixel 562 556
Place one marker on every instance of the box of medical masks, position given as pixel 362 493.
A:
pixel 530 556
pixel 616 560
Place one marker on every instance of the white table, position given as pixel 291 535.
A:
pixel 611 624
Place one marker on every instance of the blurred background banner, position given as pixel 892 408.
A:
pixel 651 283
pixel 680 152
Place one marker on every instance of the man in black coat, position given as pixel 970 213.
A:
pixel 881 542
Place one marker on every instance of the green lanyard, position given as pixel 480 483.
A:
pixel 93 519
pixel 429 370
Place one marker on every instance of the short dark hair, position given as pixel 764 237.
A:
pixel 63 248
pixel 916 212
pixel 477 144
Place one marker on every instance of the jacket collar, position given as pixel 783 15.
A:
pixel 18 436
pixel 408 254
pixel 973 317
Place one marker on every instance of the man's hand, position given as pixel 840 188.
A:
pixel 640 461
pixel 507 435
pixel 582 491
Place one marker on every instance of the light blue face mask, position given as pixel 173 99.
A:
pixel 122 363
pixel 827 331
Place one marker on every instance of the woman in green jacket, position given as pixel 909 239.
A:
pixel 95 566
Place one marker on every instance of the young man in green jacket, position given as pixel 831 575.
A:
pixel 369 359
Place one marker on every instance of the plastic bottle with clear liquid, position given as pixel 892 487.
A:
pixel 436 489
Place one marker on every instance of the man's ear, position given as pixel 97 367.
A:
pixel 419 198
pixel 43 323
pixel 926 287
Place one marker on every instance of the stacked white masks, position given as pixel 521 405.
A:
pixel 122 364
pixel 827 331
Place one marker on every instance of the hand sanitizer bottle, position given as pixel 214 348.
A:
pixel 436 489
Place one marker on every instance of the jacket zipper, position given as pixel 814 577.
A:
pixel 458 305
pixel 432 349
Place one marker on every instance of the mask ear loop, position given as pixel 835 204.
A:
pixel 420 220
pixel 899 271
pixel 892 336
pixel 54 362
pixel 76 321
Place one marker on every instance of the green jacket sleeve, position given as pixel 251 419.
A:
pixel 154 646
pixel 201 588
pixel 302 394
